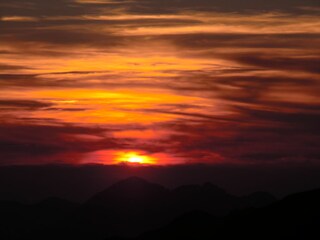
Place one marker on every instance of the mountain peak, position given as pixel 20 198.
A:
pixel 131 189
pixel 132 180
pixel 206 188
pixel 134 183
pixel 212 187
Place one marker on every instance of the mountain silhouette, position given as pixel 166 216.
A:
pixel 56 204
pixel 295 217
pixel 128 207
pixel 136 194
pixel 258 199
pixel 135 205
pixel 137 209
pixel 132 192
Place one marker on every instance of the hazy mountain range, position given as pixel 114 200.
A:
pixel 136 208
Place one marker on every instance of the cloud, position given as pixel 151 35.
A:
pixel 295 121
pixel 263 157
pixel 187 115
pixel 40 8
pixel 24 104
pixel 52 37
pixel 208 41
pixel 5 67
pixel 226 81
pixel 67 109
pixel 307 64
pixel 34 143
pixel 174 6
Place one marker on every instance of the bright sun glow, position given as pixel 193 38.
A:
pixel 134 158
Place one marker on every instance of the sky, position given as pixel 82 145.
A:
pixel 160 82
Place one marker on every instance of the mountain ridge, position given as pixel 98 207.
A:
pixel 134 206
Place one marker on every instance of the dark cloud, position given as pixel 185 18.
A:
pixel 24 104
pixel 297 121
pixel 41 8
pixel 188 114
pixel 241 73
pixel 263 156
pixel 249 135
pixel 50 130
pixel 16 76
pixel 4 52
pixel 247 86
pixel 67 109
pixel 295 63
pixel 254 89
pixel 12 67
pixel 77 30
pixel 10 150
pixel 53 36
pixel 79 33
pixel 41 143
pixel 174 6
pixel 207 41
pixel 59 80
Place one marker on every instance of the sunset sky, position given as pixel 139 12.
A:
pixel 159 81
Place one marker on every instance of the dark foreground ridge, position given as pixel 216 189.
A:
pixel 295 217
pixel 137 209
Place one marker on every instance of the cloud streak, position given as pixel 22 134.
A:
pixel 187 81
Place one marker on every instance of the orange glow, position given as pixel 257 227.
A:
pixel 134 158
pixel 169 86
pixel 119 106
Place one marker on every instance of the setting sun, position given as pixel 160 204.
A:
pixel 134 158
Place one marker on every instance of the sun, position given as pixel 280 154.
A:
pixel 134 158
